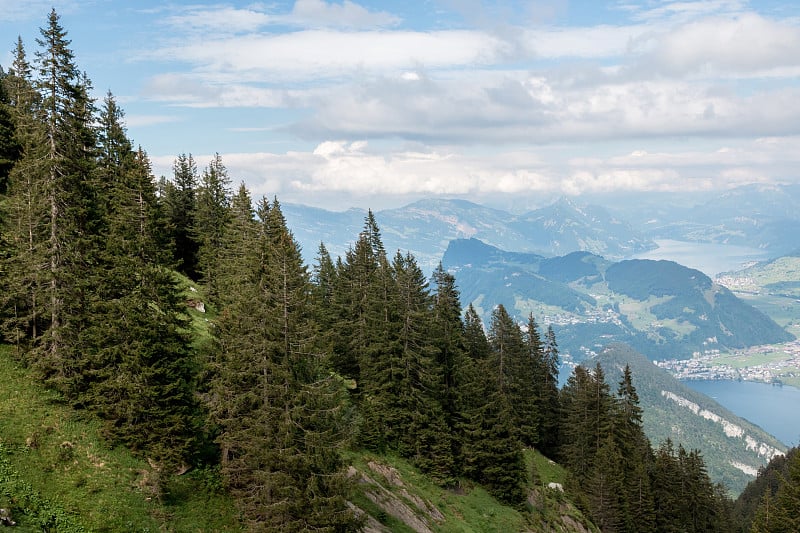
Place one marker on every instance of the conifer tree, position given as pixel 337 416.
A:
pixel 490 452
pixel 448 337
pixel 140 375
pixel 545 365
pixel 604 487
pixel 23 213
pixel 636 458
pixel 516 374
pixel 179 205
pixel 65 213
pixel 360 306
pixel 280 416
pixel 210 218
pixel 778 514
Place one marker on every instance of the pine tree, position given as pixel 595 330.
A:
pixel 636 458
pixel 179 204
pixel 516 374
pixel 210 217
pixel 490 452
pixel 778 513
pixel 65 185
pixel 280 416
pixel 604 487
pixel 24 212
pixel 448 335
pixel 360 303
pixel 140 377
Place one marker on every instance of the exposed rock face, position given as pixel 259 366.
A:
pixel 409 508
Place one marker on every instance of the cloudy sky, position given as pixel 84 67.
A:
pixel 340 103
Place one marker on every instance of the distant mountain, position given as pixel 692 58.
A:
pixel 733 448
pixel 566 227
pixel 758 216
pixel 663 309
pixel 426 227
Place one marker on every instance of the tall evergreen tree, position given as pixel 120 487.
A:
pixel 448 337
pixel 490 452
pixel 142 370
pixel 280 416
pixel 179 203
pixel 23 213
pixel 516 374
pixel 636 458
pixel 60 214
pixel 210 218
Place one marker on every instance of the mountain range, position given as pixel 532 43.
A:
pixel 661 308
pixel 426 227
pixel 615 227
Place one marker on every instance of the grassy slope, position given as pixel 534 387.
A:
pixel 469 509
pixel 55 468
pixel 54 464
pixel 62 461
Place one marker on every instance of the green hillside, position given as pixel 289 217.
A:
pixel 730 445
pixel 772 286
pixel 661 308
pixel 57 473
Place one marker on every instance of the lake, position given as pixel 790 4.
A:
pixel 773 408
pixel 710 259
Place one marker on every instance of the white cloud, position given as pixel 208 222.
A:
pixel 320 14
pixel 309 55
pixel 17 10
pixel 363 174
pixel 217 20
pixel 745 43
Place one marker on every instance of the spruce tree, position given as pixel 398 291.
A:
pixel 24 215
pixel 636 458
pixel 65 185
pixel 778 513
pixel 210 218
pixel 490 452
pixel 179 204
pixel 279 414
pixel 516 375
pixel 140 377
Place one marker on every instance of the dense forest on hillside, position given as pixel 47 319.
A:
pixel 300 364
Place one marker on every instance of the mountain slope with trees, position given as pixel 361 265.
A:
pixel 274 392
pixel 661 308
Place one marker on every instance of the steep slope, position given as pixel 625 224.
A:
pixel 733 448
pixel 663 309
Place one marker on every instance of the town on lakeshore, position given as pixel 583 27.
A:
pixel 770 363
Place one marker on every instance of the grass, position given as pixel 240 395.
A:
pixel 467 508
pixel 739 360
pixel 56 461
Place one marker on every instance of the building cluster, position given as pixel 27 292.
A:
pixel 710 364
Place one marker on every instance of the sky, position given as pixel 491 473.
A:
pixel 362 103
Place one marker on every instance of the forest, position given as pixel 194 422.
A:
pixel 301 363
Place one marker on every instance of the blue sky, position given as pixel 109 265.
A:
pixel 375 103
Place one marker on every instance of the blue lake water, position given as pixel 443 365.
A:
pixel 710 259
pixel 774 409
